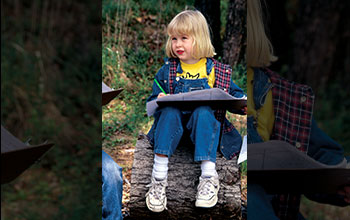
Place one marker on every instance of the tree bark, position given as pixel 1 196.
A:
pixel 316 39
pixel 235 35
pixel 278 30
pixel 211 11
pixel 183 178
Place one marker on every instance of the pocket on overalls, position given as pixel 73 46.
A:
pixel 198 84
pixel 178 85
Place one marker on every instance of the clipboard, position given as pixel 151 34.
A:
pixel 214 104
pixel 280 168
pixel 215 98
pixel 108 94
pixel 16 156
pixel 301 180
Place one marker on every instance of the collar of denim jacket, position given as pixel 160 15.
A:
pixel 261 86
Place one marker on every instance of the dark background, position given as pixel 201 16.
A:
pixel 50 90
pixel 312 41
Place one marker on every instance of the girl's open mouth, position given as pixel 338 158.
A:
pixel 180 52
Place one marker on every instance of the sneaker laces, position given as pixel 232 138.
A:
pixel 156 189
pixel 204 186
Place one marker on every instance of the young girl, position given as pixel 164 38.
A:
pixel 281 110
pixel 190 66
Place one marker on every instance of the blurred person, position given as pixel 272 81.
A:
pixel 112 177
pixel 276 109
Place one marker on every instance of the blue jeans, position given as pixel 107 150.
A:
pixel 202 124
pixel 112 188
pixel 259 204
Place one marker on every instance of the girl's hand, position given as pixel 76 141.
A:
pixel 244 110
pixel 160 95
pixel 345 191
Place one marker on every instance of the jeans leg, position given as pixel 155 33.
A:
pixel 168 132
pixel 259 204
pixel 205 133
pixel 112 188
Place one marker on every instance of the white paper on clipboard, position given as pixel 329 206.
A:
pixel 243 154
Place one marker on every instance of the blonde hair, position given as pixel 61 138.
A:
pixel 193 24
pixel 259 48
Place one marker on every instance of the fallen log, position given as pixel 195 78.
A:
pixel 183 178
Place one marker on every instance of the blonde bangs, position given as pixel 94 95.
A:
pixel 193 24
pixel 259 48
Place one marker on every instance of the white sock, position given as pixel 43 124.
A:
pixel 208 169
pixel 160 167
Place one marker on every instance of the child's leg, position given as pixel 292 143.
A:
pixel 205 133
pixel 160 167
pixel 168 131
pixel 156 196
pixel 208 169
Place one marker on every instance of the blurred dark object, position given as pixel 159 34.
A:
pixel 278 30
pixel 311 39
pixel 108 94
pixel 51 75
pixel 244 211
pixel 16 156
pixel 282 168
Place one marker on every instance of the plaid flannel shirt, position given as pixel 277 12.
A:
pixel 293 107
pixel 222 80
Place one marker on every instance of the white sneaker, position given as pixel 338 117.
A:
pixel 207 192
pixel 156 197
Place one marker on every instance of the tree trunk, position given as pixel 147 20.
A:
pixel 321 43
pixel 211 11
pixel 183 178
pixel 278 31
pixel 235 35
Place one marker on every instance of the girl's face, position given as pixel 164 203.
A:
pixel 182 47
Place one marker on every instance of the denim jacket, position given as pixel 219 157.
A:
pixel 231 140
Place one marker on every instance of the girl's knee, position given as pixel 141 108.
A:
pixel 170 110
pixel 203 110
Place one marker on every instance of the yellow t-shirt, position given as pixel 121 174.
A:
pixel 265 115
pixel 197 71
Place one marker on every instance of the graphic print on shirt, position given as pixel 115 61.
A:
pixel 188 75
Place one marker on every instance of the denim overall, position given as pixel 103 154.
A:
pixel 201 123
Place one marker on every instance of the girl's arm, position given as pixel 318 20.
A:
pixel 325 150
pixel 160 84
pixel 235 91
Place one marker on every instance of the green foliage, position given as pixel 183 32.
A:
pixel 223 17
pixel 243 168
pixel 50 85
pixel 132 63
pixel 332 114
pixel 239 76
